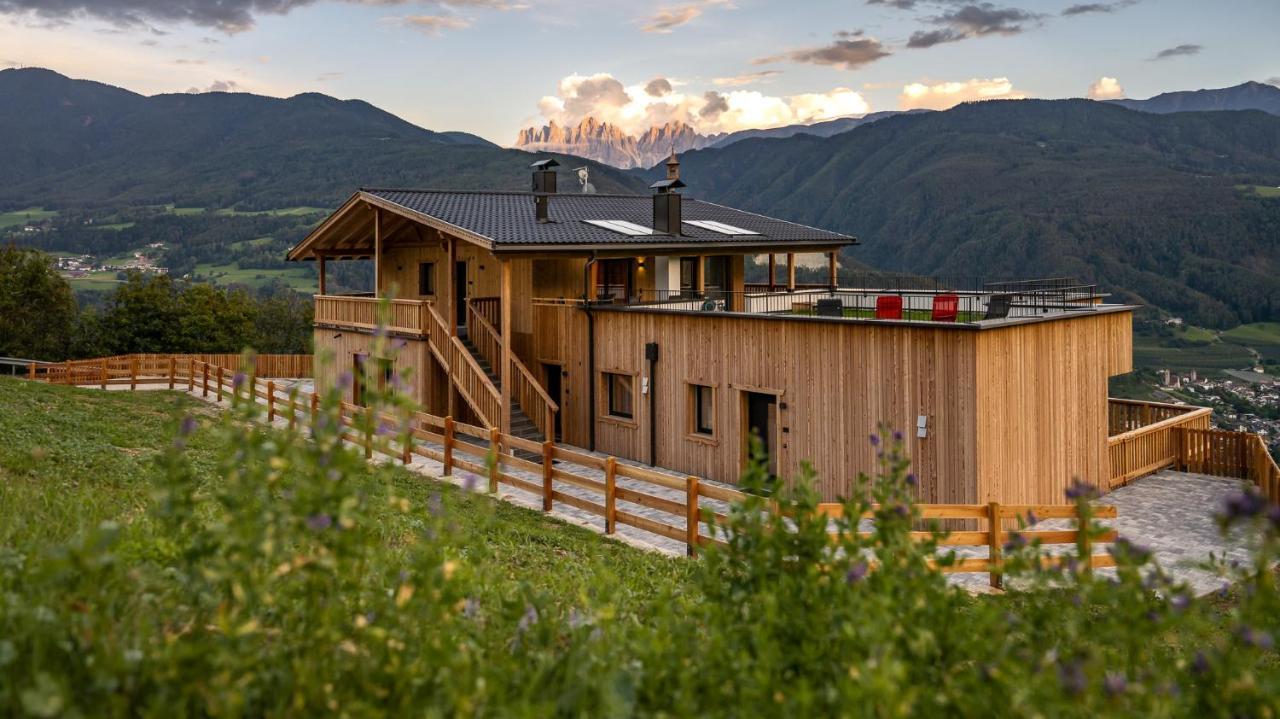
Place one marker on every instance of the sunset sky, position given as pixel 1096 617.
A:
pixel 494 66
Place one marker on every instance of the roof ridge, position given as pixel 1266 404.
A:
pixel 527 193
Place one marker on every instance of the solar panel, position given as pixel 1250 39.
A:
pixel 621 227
pixel 720 227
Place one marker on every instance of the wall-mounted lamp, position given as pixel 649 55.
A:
pixel 639 262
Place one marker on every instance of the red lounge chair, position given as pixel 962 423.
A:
pixel 888 307
pixel 945 308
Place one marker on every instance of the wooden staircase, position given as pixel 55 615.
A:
pixel 521 425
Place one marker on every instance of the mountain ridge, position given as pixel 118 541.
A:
pixel 609 144
pixel 1245 96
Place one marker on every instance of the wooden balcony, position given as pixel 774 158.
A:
pixel 362 313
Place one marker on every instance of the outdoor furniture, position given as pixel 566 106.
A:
pixel 998 307
pixel 945 308
pixel 830 307
pixel 889 307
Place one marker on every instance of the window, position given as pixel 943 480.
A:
pixel 426 278
pixel 619 397
pixel 622 227
pixel 614 280
pixel 721 227
pixel 688 276
pixel 702 410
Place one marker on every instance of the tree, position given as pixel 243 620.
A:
pixel 37 307
pixel 142 315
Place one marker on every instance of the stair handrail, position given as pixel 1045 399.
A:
pixel 491 410
pixel 529 393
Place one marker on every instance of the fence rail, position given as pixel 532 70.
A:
pixel 407 316
pixel 135 368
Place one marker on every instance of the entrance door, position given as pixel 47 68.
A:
pixel 460 293
pixel 552 373
pixel 761 420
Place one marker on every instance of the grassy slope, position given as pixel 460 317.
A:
pixel 73 458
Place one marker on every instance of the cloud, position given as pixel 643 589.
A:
pixel 633 109
pixel 219 86
pixel 1097 7
pixel 433 25
pixel 1177 51
pixel 1106 88
pixel 746 78
pixel 329 76
pixel 186 61
pixel 670 17
pixel 229 16
pixel 850 50
pixel 1274 81
pixel 900 4
pixel 658 87
pixel 974 20
pixel 943 95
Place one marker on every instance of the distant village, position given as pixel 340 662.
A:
pixel 1244 401
pixel 79 266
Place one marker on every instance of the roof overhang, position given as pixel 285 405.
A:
pixel 348 232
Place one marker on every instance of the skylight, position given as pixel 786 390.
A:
pixel 720 227
pixel 622 227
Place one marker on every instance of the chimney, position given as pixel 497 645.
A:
pixel 544 185
pixel 666 201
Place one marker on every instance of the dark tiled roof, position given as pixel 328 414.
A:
pixel 507 219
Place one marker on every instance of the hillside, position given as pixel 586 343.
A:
pixel 1146 205
pixel 1246 96
pixel 75 143
pixel 826 128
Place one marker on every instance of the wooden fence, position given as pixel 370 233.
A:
pixel 1152 447
pixel 1242 455
pixel 690 503
pixel 998 518
pixel 150 368
pixel 1126 415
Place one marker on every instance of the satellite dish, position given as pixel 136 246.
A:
pixel 585 181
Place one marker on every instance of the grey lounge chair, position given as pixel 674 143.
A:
pixel 998 307
pixel 830 307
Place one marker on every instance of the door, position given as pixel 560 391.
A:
pixel 460 293
pixel 761 421
pixel 554 390
pixel 717 280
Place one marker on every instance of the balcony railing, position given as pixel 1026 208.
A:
pixel 361 312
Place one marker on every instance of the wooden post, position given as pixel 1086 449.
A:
pixel 451 299
pixel 191 375
pixel 102 374
pixel 691 515
pixel 293 409
pixel 448 446
pixel 219 381
pixel 993 545
pixel 406 452
pixel 31 371
pixel 369 422
pixel 791 272
pixel 173 370
pixel 700 275
pixel 504 330
pixel 495 448
pixel 205 368
pixel 133 372
pixel 315 407
pixel 833 281
pixel 271 401
pixel 323 284
pixel 548 456
pixel 1085 543
pixel 610 495
pixel 773 270
pixel 377 253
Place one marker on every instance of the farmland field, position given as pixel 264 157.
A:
pixel 298 278
pixel 19 217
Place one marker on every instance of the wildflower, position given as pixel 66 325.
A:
pixel 237 381
pixel 1180 602
pixel 1256 637
pixel 1242 505
pixel 1071 676
pixel 1015 543
pixel 1114 683
pixel 380 332
pixel 398 344
pixel 385 429
pixel 529 619
pixel 344 380
pixel 856 573
pixel 1126 548
pixel 319 522
pixel 1081 490
pixel 577 619
pixel 470 608
pixel 188 426
pixel 875 440
pixel 435 505
pixel 1032 518
pixel 912 480
pixel 469 481
pixel 897 435
pixel 1200 663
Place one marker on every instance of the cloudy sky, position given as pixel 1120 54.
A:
pixel 494 66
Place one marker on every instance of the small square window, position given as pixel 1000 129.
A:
pixel 426 278
pixel 702 401
pixel 619 394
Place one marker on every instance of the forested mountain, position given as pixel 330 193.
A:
pixel 75 143
pixel 1246 96
pixel 1160 209
pixel 826 128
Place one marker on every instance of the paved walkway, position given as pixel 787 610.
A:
pixel 1171 513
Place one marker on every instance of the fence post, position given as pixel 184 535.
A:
pixel 495 448
pixel 191 375
pixel 31 371
pixel 293 408
pixel 133 372
pixel 271 401
pixel 102 374
pixel 219 380
pixel 173 370
pixel 993 545
pixel 610 495
pixel 1084 543
pixel 448 446
pixel 691 515
pixel 548 454
pixel 204 368
pixel 315 407
pixel 368 432
pixel 406 452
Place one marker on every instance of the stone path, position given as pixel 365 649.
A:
pixel 1170 513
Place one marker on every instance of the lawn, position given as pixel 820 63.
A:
pixel 1263 337
pixel 298 278
pixel 104 280
pixel 1189 348
pixel 1260 190
pixel 21 217
pixel 278 212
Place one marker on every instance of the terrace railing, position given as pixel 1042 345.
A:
pixel 406 316
pixel 526 391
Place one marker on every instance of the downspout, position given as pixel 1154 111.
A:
pixel 651 353
pixel 591 353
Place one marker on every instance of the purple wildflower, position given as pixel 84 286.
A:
pixel 1114 683
pixel 912 480
pixel 1127 548
pixel 1071 676
pixel 380 332
pixel 398 344
pixel 344 380
pixel 435 505
pixel 529 619
pixel 875 440
pixel 1256 637
pixel 856 573
pixel 237 381
pixel 1015 543
pixel 1180 602
pixel 1081 490
pixel 469 481
pixel 1243 505
pixel 1200 663
pixel 897 435
pixel 188 426
pixel 385 429
pixel 319 522
pixel 1032 518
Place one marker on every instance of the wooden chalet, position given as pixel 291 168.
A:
pixel 624 324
